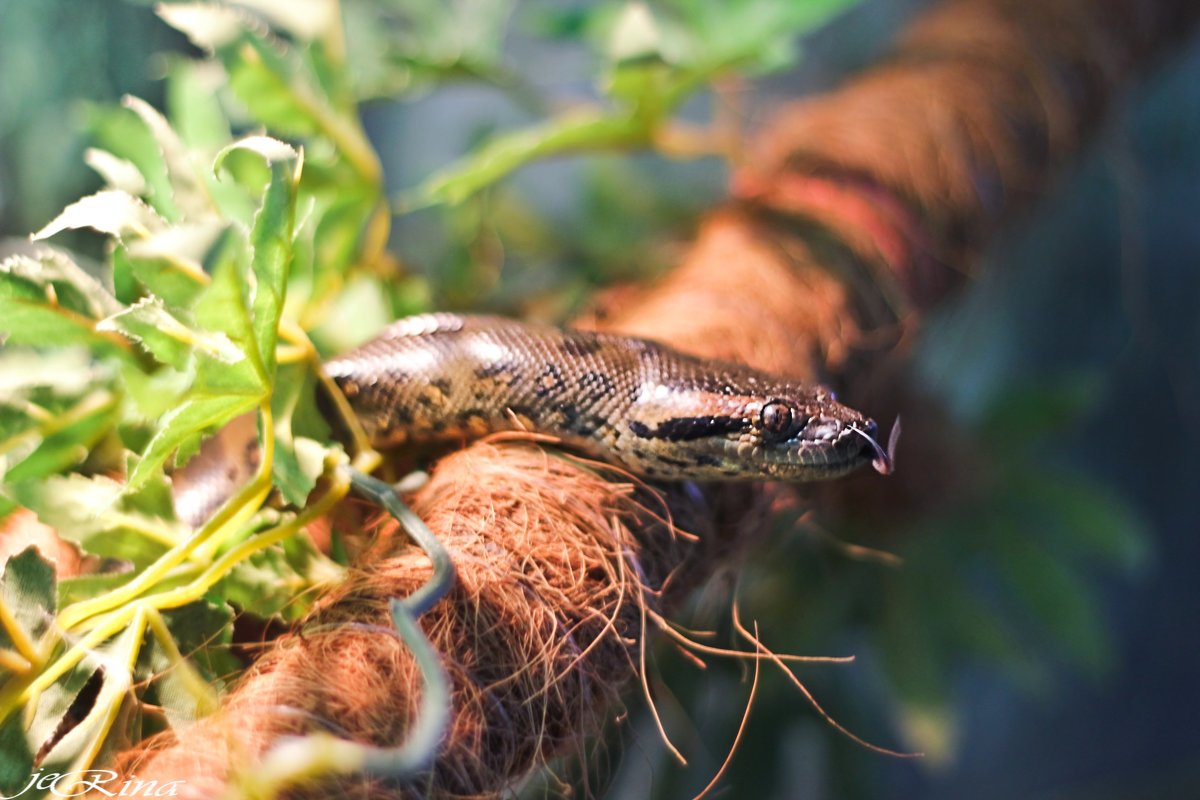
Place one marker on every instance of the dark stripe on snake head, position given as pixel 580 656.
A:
pixel 684 429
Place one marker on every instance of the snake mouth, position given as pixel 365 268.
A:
pixel 884 461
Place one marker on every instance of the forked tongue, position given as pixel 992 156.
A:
pixel 885 460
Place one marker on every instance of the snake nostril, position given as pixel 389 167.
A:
pixel 870 428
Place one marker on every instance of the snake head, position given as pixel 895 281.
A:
pixel 755 429
pixel 806 434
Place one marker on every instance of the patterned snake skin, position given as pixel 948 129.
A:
pixel 632 402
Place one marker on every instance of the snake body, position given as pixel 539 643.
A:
pixel 634 402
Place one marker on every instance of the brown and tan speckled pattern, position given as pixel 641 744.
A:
pixel 629 401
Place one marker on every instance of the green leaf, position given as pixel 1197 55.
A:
pixel 193 104
pixel 977 631
pixel 1091 519
pixel 271 238
pixel 170 263
pixel 571 133
pixel 188 192
pixel 191 418
pixel 84 587
pixel 113 664
pixel 17 765
pixel 96 514
pixel 225 308
pixel 73 288
pixel 1027 413
pixel 358 312
pixel 751 36
pixel 1055 597
pixel 299 460
pixel 52 707
pixel 166 338
pixel 274 582
pixel 110 211
pixel 68 446
pixel 122 133
pixel 153 394
pixel 45 303
pixel 27 590
pixel 201 633
pixel 29 316
pixel 270 81
pixel 304 19
pixel 118 173
pixel 271 150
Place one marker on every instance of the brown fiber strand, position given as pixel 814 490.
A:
pixel 857 209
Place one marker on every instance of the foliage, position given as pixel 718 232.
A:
pixel 233 259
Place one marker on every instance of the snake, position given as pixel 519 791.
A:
pixel 656 411
pixel 640 405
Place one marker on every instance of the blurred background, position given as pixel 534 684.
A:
pixel 1039 641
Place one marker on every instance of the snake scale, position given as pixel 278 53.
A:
pixel 658 412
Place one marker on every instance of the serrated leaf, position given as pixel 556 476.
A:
pixel 122 133
pixel 74 288
pixel 271 238
pixel 197 656
pixel 224 307
pixel 201 630
pixel 117 172
pixel 166 338
pixel 83 587
pixel 32 319
pixel 271 83
pixel 154 393
pixel 97 514
pixel 274 581
pixel 187 189
pixel 110 211
pixel 270 149
pixel 68 446
pixel 52 707
pixel 178 281
pixel 30 314
pixel 186 244
pixel 191 418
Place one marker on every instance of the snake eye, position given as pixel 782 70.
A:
pixel 778 421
